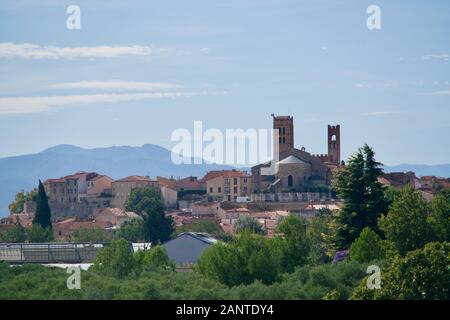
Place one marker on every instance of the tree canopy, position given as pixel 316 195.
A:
pixel 362 195
pixel 148 203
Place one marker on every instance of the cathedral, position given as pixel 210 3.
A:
pixel 298 170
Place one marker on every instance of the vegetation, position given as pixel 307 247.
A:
pixel 17 206
pixel 148 203
pixel 362 196
pixel 247 258
pixel 248 224
pixel 207 226
pixel 39 234
pixel 367 247
pixel 422 274
pixel 132 230
pixel 295 247
pixel 43 216
pixel 91 235
pixel 407 238
pixel 405 226
pixel 17 234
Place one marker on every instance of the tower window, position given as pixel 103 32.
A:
pixel 284 130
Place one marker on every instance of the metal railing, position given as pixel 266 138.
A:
pixel 54 252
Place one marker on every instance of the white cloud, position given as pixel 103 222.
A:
pixel 440 57
pixel 33 51
pixel 363 86
pixel 381 113
pixel 19 105
pixel 438 93
pixel 116 85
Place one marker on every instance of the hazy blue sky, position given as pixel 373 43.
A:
pixel 137 70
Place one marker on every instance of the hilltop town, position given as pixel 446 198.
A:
pixel 302 185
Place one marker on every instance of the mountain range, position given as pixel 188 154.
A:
pixel 23 172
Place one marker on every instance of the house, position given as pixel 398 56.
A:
pixel 188 183
pixel 227 185
pixel 187 247
pixel 121 189
pixel 170 196
pixel 98 185
pixel 400 179
pixel 63 230
pixel 114 216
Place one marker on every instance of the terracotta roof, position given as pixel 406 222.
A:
pixel 76 175
pixel 225 173
pixel 49 181
pixel 133 179
pixel 98 177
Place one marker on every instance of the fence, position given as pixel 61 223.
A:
pixel 57 252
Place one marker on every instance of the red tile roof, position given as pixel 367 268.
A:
pixel 225 173
pixel 133 179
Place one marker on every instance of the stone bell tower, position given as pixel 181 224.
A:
pixel 334 144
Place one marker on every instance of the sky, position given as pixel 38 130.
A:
pixel 138 70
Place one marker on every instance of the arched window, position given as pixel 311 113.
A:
pixel 290 181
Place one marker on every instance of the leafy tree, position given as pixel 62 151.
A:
pixel 405 225
pixel 17 206
pixel 390 193
pixel 17 234
pixel 39 234
pixel 423 274
pixel 295 245
pixel 91 235
pixel 367 247
pixel 148 203
pixel 156 258
pixel 362 196
pixel 43 213
pixel 132 230
pixel 247 224
pixel 318 231
pixel 247 258
pixel 332 295
pixel 439 218
pixel 116 259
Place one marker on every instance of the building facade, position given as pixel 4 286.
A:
pixel 121 189
pixel 296 169
pixel 227 185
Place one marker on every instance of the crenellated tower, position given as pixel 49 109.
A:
pixel 334 144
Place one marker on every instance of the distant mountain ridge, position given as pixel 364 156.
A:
pixel 23 172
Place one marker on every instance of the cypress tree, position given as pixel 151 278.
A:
pixel 43 213
pixel 362 196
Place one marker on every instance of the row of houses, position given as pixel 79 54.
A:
pixel 82 187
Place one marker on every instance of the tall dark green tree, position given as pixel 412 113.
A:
pixel 148 203
pixel 362 196
pixel 43 215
